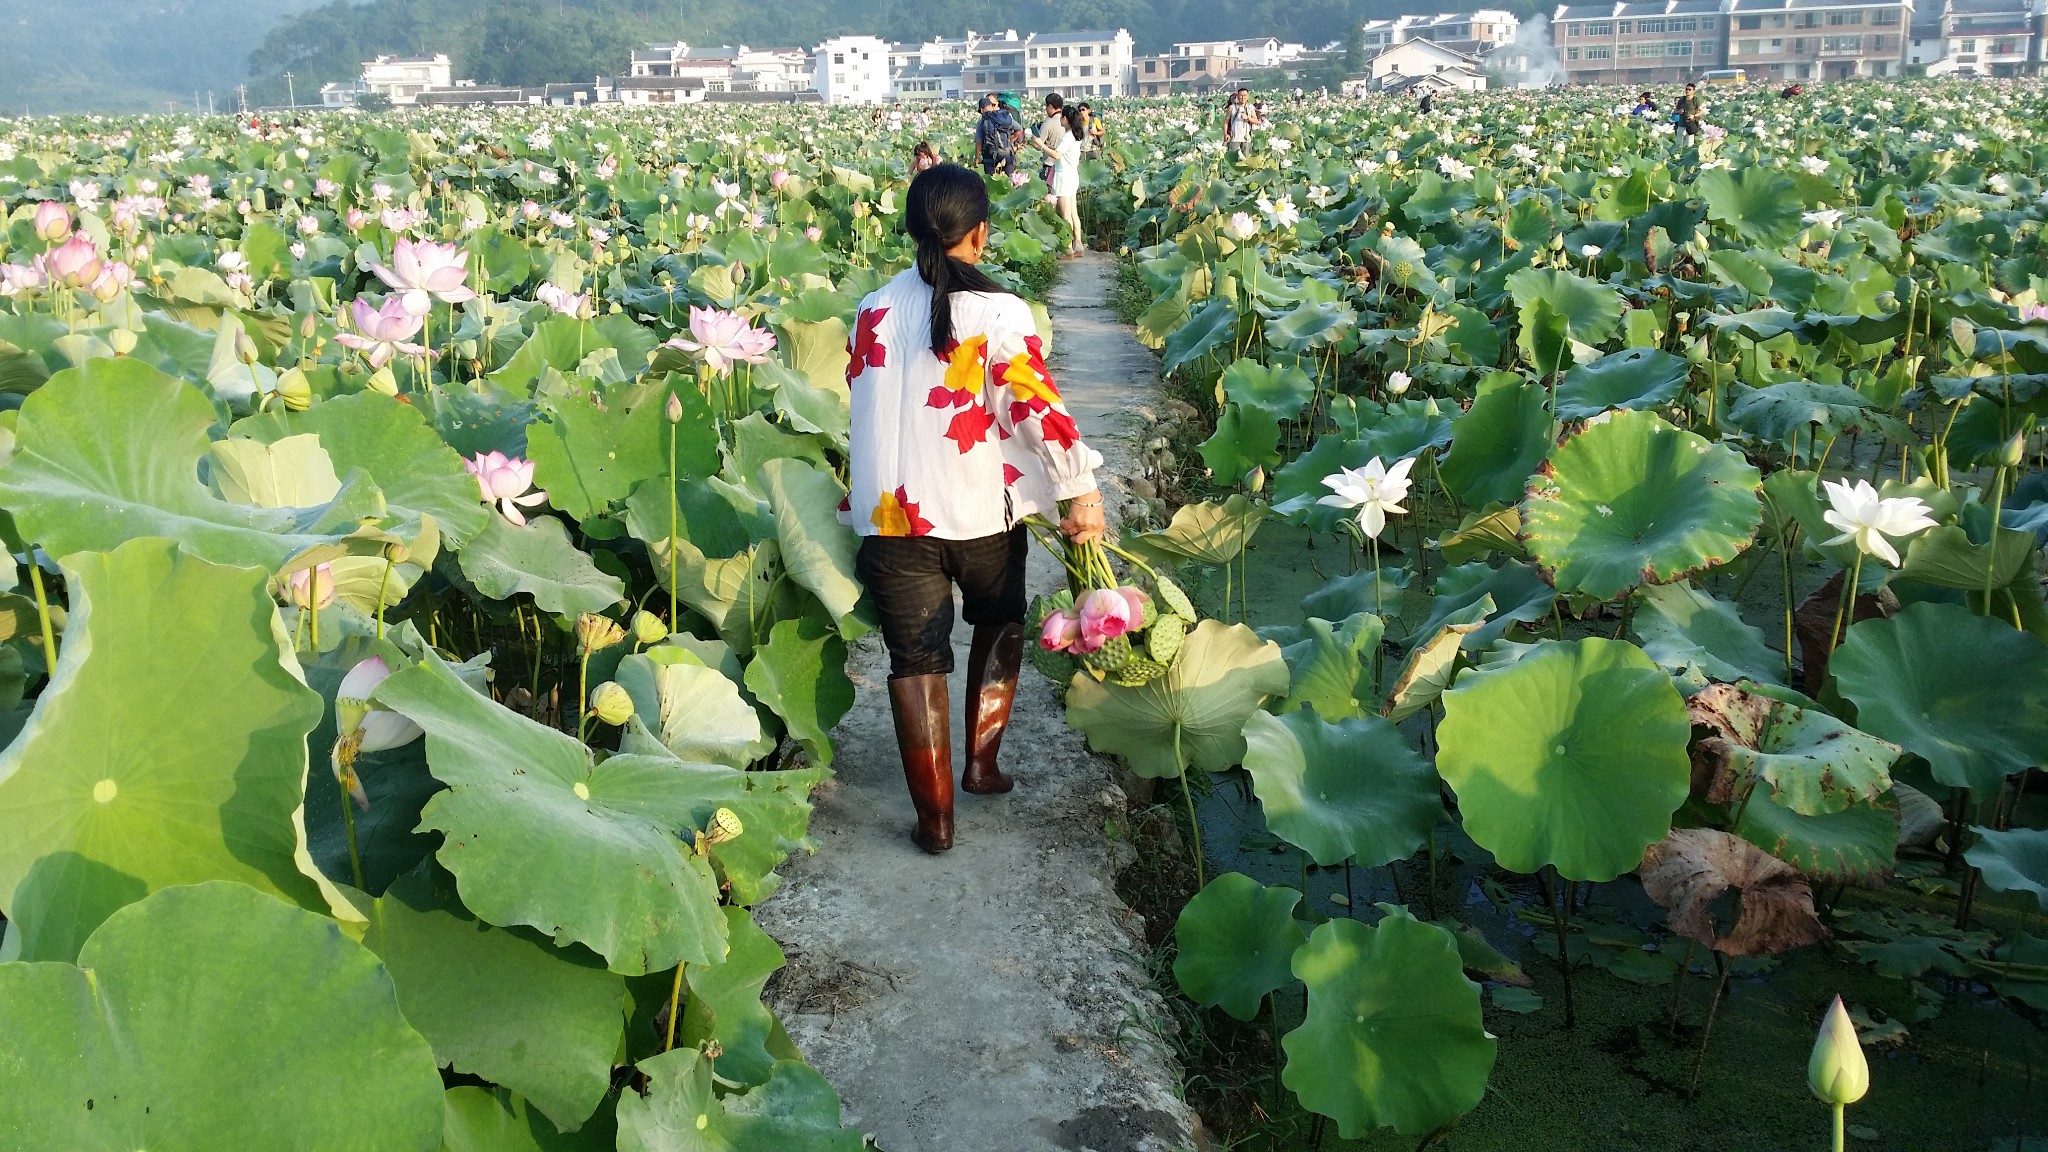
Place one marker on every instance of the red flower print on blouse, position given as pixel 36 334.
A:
pixel 966 367
pixel 863 350
pixel 1011 474
pixel 896 515
pixel 1059 428
pixel 970 427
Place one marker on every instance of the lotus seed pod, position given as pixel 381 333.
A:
pixel 611 703
pixel 1837 1071
pixel 725 826
pixel 597 633
pixel 648 628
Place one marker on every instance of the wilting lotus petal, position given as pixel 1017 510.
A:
pixel 1060 631
pixel 1105 615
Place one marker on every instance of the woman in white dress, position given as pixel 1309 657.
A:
pixel 1066 173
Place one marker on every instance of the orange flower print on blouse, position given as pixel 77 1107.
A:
pixel 896 515
pixel 863 349
pixel 1030 383
pixel 966 367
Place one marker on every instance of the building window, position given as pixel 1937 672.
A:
pixel 1967 46
pixel 1621 28
pixel 839 57
pixel 1706 23
pixel 1649 51
pixel 1086 50
pixel 1653 26
pixel 1571 53
pixel 1087 70
pixel 1678 48
pixel 1599 54
pixel 1885 16
pixel 1837 19
pixel 1705 48
pixel 1034 73
pixel 1841 44
pixel 1602 28
pixel 1747 23
pixel 1624 51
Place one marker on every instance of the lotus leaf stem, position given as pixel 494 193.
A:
pixel 1842 601
pixel 35 578
pixel 355 859
pixel 675 1009
pixel 1194 823
pixel 1700 1061
pixel 383 582
pixel 673 529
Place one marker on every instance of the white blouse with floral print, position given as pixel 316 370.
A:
pixel 961 447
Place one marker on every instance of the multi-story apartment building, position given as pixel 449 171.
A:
pixel 994 64
pixel 401 79
pixel 771 70
pixel 1977 37
pixel 1177 75
pixel 1638 42
pixel 852 70
pixel 926 83
pixel 1078 63
pixel 1785 40
pixel 1473 33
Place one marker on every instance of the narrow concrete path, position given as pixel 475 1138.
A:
pixel 992 999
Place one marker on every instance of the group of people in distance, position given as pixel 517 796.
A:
pixel 1068 133
pixel 1685 113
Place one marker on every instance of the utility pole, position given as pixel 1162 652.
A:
pixel 290 93
pixel 241 99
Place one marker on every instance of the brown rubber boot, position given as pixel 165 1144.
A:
pixel 991 689
pixel 924 735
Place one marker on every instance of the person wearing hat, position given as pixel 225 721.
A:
pixel 995 138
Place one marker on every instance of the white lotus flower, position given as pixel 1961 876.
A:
pixel 1826 217
pixel 1867 518
pixel 1243 225
pixel 1398 382
pixel 1813 165
pixel 1373 490
pixel 1589 251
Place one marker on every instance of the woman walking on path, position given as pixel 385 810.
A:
pixel 1064 150
pixel 958 434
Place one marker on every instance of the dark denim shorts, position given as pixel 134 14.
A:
pixel 911 579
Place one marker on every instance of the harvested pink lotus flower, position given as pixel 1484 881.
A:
pixel 1060 631
pixel 1138 601
pixel 74 263
pixel 424 271
pixel 1105 615
pixel 382 333
pixel 725 338
pixel 504 481
pixel 52 221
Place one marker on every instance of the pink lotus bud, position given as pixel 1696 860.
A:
pixel 74 264
pixel 355 220
pixel 1061 630
pixel 778 178
pixel 813 234
pixel 53 221
pixel 313 587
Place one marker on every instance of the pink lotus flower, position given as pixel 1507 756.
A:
pixel 362 727
pixel 21 279
pixel 530 210
pixel 355 220
pixel 504 481
pixel 424 271
pixel 312 587
pixel 73 264
pixel 1061 630
pixel 326 189
pixel 1105 615
pixel 564 301
pixel 778 178
pixel 52 221
pixel 725 338
pixel 1138 601
pixel 2030 313
pixel 382 333
pixel 113 279
pixel 814 234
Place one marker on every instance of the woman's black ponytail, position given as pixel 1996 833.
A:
pixel 945 203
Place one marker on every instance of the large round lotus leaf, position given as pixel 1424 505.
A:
pixel 1682 627
pixel 1857 845
pixel 2014 861
pixel 1754 204
pixel 109 451
pixel 1802 758
pixel 1966 693
pixel 212 1016
pixel 1633 500
pixel 801 675
pixel 1312 325
pixel 1779 413
pixel 409 462
pixel 1590 310
pixel 1393 1037
pixel 589 449
pixel 1338 791
pixel 169 748
pixel 694 711
pixel 505 560
pixel 1574 755
pixel 724 1002
pixel 817 550
pixel 1332 666
pixel 795 1111
pixel 500 1004
pixel 1236 941
pixel 1279 389
pixel 494 1120
pixel 1208 328
pixel 1498 442
pixel 1632 378
pixel 1207 533
pixel 1192 716
pixel 1246 438
pixel 538 835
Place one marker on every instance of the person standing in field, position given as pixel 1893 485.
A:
pixel 1051 129
pixel 1065 180
pixel 1239 118
pixel 958 434
pixel 995 138
pixel 1687 111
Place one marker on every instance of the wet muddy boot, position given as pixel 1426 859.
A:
pixel 924 735
pixel 991 689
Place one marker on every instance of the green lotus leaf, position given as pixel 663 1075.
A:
pixel 109 451
pixel 817 550
pixel 1918 680
pixel 562 343
pixel 1393 1036
pixel 199 1017
pixel 1377 593
pixel 1544 339
pixel 505 560
pixel 1192 716
pixel 819 404
pixel 168 748
pixel 494 1120
pixel 1802 758
pixel 1573 755
pixel 1519 593
pixel 1279 389
pixel 1312 325
pixel 538 835
pixel 756 441
pixel 1352 789
pixel 2012 861
pixel 1779 413
pixel 1235 941
pixel 693 711
pixel 795 1111
pixel 1483 531
pixel 1635 500
pixel 800 673
pixel 294 472
pixel 1857 845
pixel 724 1002
pixel 1946 557
pixel 590 449
pixel 817 349
pixel 1682 627
pixel 395 446
pixel 1629 379
pixel 1333 667
pixel 1245 438
pixel 1590 310
pixel 1206 533
pixel 1209 327
pixel 503 1005
pixel 1498 443
pixel 1755 204
pixel 1432 663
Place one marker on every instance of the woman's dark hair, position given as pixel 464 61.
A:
pixel 1077 127
pixel 945 203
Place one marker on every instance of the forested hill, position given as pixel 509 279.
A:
pixel 128 55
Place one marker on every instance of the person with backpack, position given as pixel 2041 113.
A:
pixel 1239 118
pixel 995 138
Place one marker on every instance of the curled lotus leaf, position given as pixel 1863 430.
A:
pixel 1803 758
pixel 1692 867
pixel 2012 861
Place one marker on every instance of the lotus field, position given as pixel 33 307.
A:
pixel 432 601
